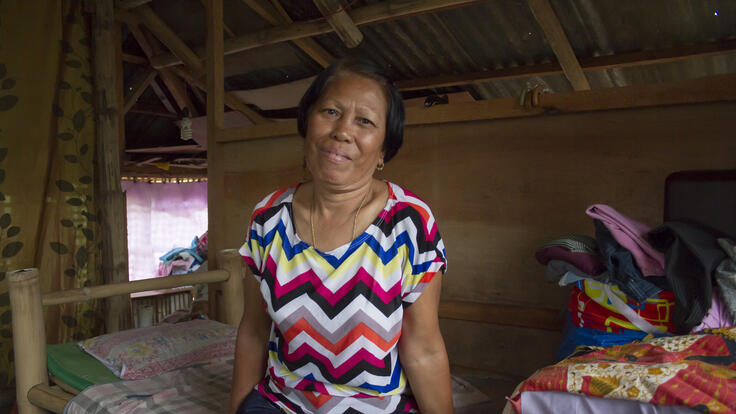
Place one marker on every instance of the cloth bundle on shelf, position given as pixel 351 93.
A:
pixel 180 260
pixel 631 280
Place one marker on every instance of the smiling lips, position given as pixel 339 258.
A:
pixel 335 156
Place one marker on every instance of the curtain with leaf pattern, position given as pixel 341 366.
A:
pixel 48 215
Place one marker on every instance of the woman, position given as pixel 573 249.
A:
pixel 341 306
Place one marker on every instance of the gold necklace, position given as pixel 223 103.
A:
pixel 355 219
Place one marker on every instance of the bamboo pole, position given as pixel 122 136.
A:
pixel 49 398
pixel 103 291
pixel 233 298
pixel 115 245
pixel 29 336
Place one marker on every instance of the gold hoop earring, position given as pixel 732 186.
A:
pixel 380 167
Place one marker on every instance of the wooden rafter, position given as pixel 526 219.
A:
pixel 135 59
pixel 373 13
pixel 227 30
pixel 340 21
pixel 277 16
pixel 711 89
pixel 155 110
pixel 232 101
pixel 169 80
pixel 557 39
pixel 596 63
pixel 141 81
pixel 129 4
pixel 167 36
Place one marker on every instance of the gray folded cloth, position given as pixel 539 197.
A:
pixel 725 275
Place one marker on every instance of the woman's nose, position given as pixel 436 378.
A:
pixel 342 130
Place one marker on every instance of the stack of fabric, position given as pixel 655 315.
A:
pixel 630 281
pixel 180 260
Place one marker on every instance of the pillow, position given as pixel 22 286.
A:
pixel 145 352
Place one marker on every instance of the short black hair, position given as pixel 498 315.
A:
pixel 395 105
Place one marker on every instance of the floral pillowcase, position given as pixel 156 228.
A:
pixel 145 352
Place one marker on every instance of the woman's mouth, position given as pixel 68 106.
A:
pixel 335 156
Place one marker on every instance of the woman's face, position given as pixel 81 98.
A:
pixel 346 129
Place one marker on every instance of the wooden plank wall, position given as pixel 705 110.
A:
pixel 500 188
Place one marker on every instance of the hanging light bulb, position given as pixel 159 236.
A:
pixel 185 126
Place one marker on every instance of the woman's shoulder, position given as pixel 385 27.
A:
pixel 275 200
pixel 402 196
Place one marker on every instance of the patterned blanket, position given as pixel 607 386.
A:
pixel 196 389
pixel 696 371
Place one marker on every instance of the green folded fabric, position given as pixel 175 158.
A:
pixel 73 366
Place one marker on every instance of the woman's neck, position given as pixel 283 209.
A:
pixel 329 202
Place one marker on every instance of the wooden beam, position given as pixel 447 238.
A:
pixel 596 63
pixel 112 200
pixel 171 82
pixel 167 36
pixel 711 89
pixel 215 123
pixel 129 4
pixel 340 21
pixel 231 100
pixel 49 398
pixel 175 149
pixel 141 81
pixel 557 39
pixel 277 16
pixel 135 59
pixel 155 110
pixel 373 13
pixel 523 316
pixel 227 30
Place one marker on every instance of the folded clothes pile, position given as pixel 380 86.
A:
pixel 629 280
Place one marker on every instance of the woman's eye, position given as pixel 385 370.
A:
pixel 330 111
pixel 365 121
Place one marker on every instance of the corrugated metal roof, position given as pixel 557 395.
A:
pixel 495 34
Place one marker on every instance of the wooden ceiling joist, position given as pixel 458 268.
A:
pixel 227 30
pixel 193 62
pixel 596 63
pixel 557 39
pixel 129 4
pixel 155 110
pixel 135 59
pixel 172 83
pixel 340 21
pixel 373 13
pixel 277 16
pixel 141 81
pixel 232 101
pixel 711 89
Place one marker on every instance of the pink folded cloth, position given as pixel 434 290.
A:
pixel 630 233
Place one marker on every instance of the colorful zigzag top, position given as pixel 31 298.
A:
pixel 337 315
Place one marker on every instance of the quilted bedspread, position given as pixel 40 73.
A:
pixel 696 371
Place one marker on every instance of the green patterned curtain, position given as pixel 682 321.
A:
pixel 48 215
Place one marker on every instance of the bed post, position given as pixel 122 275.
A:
pixel 29 336
pixel 232 289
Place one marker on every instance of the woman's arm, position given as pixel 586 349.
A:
pixel 423 355
pixel 251 344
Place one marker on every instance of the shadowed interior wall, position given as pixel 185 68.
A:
pixel 501 188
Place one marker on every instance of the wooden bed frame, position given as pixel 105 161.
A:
pixel 33 392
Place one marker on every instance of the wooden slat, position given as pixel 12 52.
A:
pixel 340 21
pixel 49 398
pixel 138 60
pixel 167 36
pixel 522 316
pixel 151 109
pixel 107 130
pixel 365 15
pixel 277 16
pixel 231 100
pixel 227 30
pixel 596 63
pixel 557 39
pixel 114 289
pixel 139 84
pixel 167 77
pixel 130 4
pixel 177 149
pixel 710 89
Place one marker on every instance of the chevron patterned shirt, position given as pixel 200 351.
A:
pixel 337 315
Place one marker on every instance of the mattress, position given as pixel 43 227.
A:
pixel 76 368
